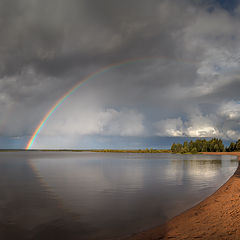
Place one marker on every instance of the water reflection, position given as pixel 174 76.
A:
pixel 101 195
pixel 179 170
pixel 30 211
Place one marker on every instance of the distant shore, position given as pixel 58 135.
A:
pixel 216 217
pixel 91 150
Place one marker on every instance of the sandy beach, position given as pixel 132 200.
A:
pixel 216 217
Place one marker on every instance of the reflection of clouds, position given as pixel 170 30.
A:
pixel 83 182
pixel 99 190
pixel 129 177
pixel 195 170
pixel 229 157
pixel 174 172
pixel 85 179
pixel 26 206
pixel 95 174
pixel 204 169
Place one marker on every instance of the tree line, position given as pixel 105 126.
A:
pixel 234 147
pixel 203 145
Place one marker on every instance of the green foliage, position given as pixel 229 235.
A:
pixel 132 150
pixel 179 147
pixel 200 145
pixel 174 148
pixel 238 145
pixel 231 147
pixel 194 150
pixel 234 147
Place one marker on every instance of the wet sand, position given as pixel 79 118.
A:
pixel 216 217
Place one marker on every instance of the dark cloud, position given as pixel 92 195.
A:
pixel 56 36
pixel 46 47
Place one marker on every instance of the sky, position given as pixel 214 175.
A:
pixel 177 78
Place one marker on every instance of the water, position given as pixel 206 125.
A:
pixel 47 195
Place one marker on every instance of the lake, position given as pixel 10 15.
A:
pixel 85 195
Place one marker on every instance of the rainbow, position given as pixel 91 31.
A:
pixel 75 87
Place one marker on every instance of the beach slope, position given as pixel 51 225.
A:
pixel 216 217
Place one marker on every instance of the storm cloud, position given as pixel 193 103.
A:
pixel 181 76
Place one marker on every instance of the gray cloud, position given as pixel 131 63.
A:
pixel 46 47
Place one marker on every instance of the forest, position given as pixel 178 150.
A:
pixel 203 145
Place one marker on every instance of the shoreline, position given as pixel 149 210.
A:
pixel 216 217
pixel 91 150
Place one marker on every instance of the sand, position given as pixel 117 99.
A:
pixel 216 217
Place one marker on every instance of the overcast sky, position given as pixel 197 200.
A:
pixel 185 85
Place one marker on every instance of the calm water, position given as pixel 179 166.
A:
pixel 101 195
